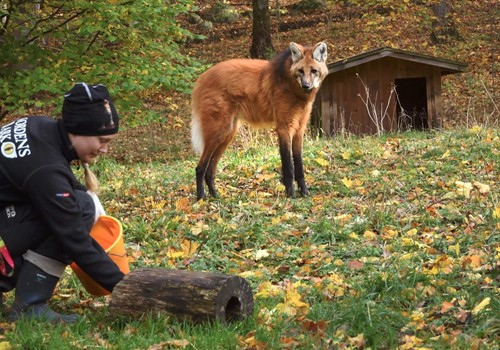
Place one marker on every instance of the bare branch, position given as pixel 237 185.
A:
pixel 40 20
pixel 78 14
pixel 93 41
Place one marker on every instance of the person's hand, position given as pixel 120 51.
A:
pixel 99 210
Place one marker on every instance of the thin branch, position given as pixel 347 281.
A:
pixel 40 20
pixel 92 41
pixel 56 27
pixel 489 95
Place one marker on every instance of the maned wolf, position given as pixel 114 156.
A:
pixel 276 94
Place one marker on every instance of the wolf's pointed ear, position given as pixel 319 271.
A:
pixel 319 52
pixel 297 52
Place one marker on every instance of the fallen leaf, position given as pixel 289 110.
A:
pixel 370 235
pixel 175 343
pixel 446 306
pixel 321 161
pixel 5 345
pixel 355 264
pixel 496 213
pixel 315 327
pixel 481 306
pixel 347 182
pixel 260 254
pixel 357 341
pixel 483 188
pixel 463 188
pixel 346 155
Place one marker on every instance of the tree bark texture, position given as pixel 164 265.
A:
pixel 443 26
pixel 187 295
pixel 262 45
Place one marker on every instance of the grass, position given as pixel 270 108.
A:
pixel 393 249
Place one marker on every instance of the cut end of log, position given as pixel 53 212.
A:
pixel 233 309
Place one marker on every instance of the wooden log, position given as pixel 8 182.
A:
pixel 193 295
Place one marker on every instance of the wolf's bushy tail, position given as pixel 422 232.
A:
pixel 197 133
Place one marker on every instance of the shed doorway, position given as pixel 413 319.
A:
pixel 412 103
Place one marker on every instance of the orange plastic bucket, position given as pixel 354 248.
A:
pixel 108 232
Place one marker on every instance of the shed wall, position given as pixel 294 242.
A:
pixel 345 95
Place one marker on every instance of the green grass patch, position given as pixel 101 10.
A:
pixel 397 246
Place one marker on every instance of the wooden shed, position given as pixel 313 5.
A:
pixel 382 90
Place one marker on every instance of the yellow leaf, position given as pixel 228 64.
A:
pixel 198 228
pixel 483 188
pixel 286 309
pixel 455 248
pixel 251 273
pixel 280 188
pixel 370 235
pixel 169 344
pixel 267 289
pixel 432 271
pixel 293 305
pixel 174 254
pixel 347 182
pixel 387 154
pixel 293 298
pixel 389 233
pixel 321 161
pixel 476 129
pixel 189 247
pixel 346 155
pixel 481 306
pixel 357 341
pixel 445 154
pixel 463 188
pixel 5 345
pixel 261 253
pixel 496 213
pixel 338 262
pixel 407 256
pixel 411 232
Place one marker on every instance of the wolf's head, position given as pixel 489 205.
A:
pixel 309 65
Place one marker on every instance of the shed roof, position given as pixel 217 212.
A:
pixel 447 66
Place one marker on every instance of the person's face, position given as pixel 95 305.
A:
pixel 89 148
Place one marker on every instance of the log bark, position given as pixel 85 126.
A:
pixel 192 295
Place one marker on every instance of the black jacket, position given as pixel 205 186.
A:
pixel 35 157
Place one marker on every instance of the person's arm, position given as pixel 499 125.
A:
pixel 51 190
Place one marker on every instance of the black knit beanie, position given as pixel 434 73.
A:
pixel 88 110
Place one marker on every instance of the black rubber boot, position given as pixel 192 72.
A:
pixel 33 289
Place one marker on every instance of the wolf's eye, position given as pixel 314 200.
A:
pixel 314 71
pixel 301 71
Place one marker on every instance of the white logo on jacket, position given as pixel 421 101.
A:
pixel 10 211
pixel 14 139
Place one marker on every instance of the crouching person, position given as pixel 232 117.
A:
pixel 46 214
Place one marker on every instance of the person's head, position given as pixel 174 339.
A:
pixel 90 119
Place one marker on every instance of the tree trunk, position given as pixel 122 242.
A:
pixel 191 295
pixel 262 46
pixel 443 27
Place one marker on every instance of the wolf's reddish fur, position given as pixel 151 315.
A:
pixel 273 94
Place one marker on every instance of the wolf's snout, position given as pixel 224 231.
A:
pixel 306 85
